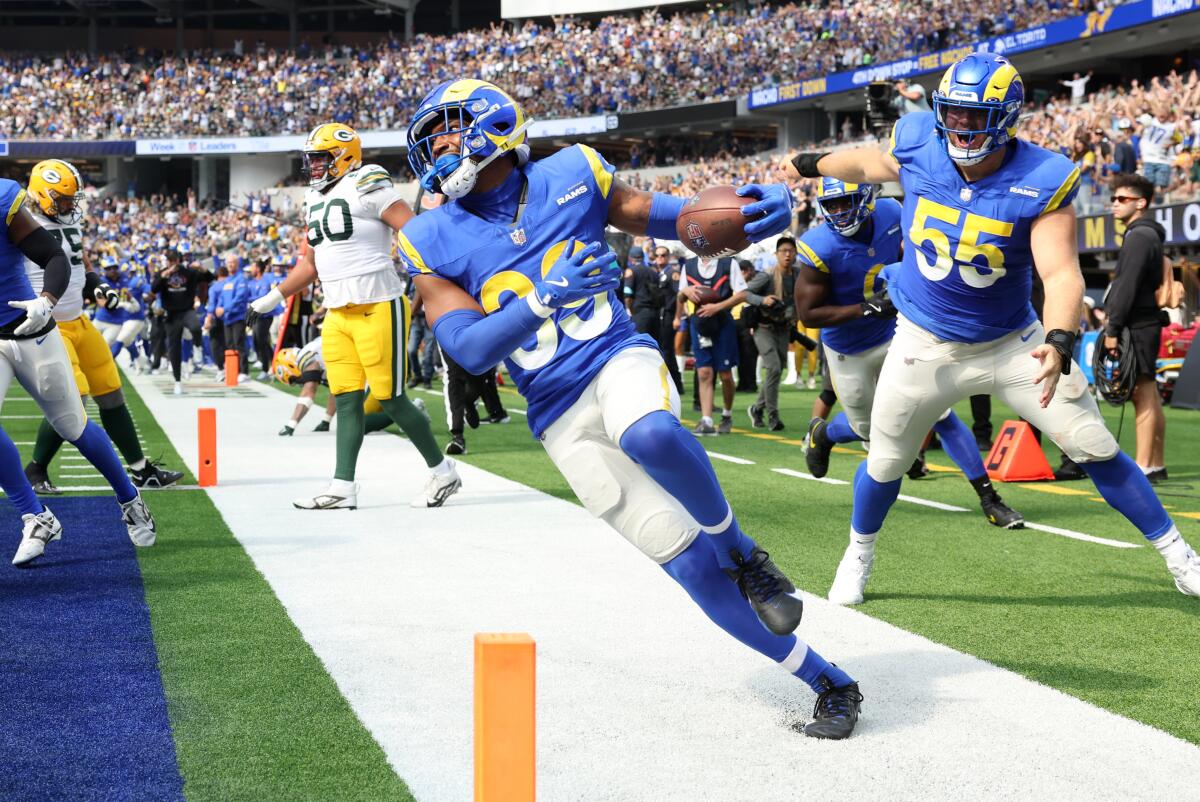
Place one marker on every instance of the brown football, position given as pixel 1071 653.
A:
pixel 708 296
pixel 712 223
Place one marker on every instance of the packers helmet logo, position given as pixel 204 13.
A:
pixel 343 135
pixel 51 175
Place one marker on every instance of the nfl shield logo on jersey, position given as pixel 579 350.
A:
pixel 965 194
pixel 518 236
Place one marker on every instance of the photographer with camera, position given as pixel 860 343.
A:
pixel 770 297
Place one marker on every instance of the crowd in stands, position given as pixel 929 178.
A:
pixel 564 68
pixel 1151 128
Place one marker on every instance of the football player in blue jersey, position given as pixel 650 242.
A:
pixel 514 267
pixel 32 352
pixel 841 289
pixel 982 210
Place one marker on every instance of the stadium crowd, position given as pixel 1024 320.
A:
pixel 565 68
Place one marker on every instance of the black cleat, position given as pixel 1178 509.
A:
pixel 323 426
pixel 817 447
pixel 835 713
pixel 918 469
pixel 1157 475
pixel 1000 514
pixel 772 595
pixel 498 418
pixel 286 431
pixel 756 416
pixel 151 476
pixel 37 476
pixel 456 446
pixel 1069 471
pixel 775 424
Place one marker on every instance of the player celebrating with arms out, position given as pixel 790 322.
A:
pixel 982 209
pixel 841 290
pixel 514 267
pixel 351 210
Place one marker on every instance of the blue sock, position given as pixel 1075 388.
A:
pixel 676 460
pixel 872 500
pixel 95 446
pixel 838 430
pixel 187 349
pixel 115 348
pixel 13 480
pixel 959 444
pixel 1128 491
pixel 696 569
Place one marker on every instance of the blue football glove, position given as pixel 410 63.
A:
pixel 570 280
pixel 774 201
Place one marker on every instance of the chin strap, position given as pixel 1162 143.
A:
pixel 463 176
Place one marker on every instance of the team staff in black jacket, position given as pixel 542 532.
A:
pixel 178 286
pixel 1131 304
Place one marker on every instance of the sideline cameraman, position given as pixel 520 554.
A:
pixel 771 295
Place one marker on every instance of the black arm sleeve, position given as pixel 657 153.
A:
pixel 91 280
pixel 1131 264
pixel 40 248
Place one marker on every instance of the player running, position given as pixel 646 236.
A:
pixel 514 267
pixel 351 210
pixel 982 209
pixel 32 351
pixel 123 325
pixel 840 289
pixel 54 185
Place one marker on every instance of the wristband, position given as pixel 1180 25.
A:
pixel 806 164
pixel 539 308
pixel 1064 343
pixel 664 211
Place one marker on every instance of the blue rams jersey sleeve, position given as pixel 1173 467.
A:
pixel 967 271
pixel 853 266
pixel 14 283
pixel 567 196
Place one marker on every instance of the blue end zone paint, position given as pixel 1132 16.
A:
pixel 82 712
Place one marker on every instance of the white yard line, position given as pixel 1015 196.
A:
pixel 640 697
pixel 1054 530
pixel 727 458
pixel 802 475
pixel 937 505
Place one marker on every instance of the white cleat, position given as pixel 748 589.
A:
pixel 341 495
pixel 439 487
pixel 139 522
pixel 178 388
pixel 37 531
pixel 1187 574
pixel 851 580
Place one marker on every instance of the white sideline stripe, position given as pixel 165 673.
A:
pixel 801 475
pixel 21 417
pixel 727 458
pixel 360 592
pixel 1054 530
pixel 937 505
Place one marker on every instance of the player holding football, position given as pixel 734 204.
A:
pixel 32 351
pixel 841 290
pixel 514 267
pixel 982 210
pixel 351 210
pixel 54 185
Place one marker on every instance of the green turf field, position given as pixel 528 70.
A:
pixel 1104 624
pixel 225 644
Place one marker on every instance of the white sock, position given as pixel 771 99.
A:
pixel 137 466
pixel 293 423
pixel 706 419
pixel 681 363
pixel 326 417
pixel 340 487
pixel 862 545
pixel 444 467
pixel 1145 469
pixel 1171 546
pixel 727 413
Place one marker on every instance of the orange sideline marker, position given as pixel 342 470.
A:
pixel 232 368
pixel 505 757
pixel 206 426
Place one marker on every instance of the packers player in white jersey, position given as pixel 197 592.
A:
pixel 352 212
pixel 54 186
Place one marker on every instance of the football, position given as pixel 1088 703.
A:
pixel 712 223
pixel 708 296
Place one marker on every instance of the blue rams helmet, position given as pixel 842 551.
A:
pixel 845 206
pixel 977 106
pixel 488 121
